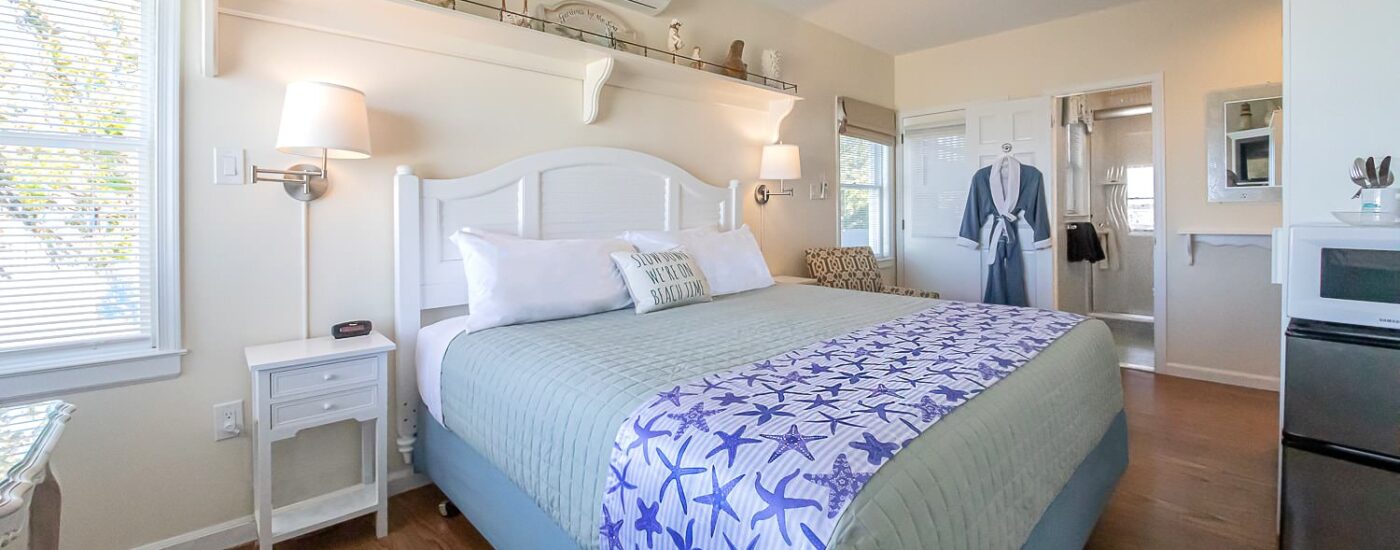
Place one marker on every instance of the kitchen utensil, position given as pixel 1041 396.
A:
pixel 1358 176
pixel 1385 169
pixel 1371 171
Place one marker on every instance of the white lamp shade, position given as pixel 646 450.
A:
pixel 320 118
pixel 780 162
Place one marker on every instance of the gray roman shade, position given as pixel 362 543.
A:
pixel 857 118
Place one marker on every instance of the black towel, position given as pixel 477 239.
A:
pixel 1084 243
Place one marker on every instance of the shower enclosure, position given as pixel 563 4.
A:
pixel 1105 171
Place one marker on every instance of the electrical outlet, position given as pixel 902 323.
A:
pixel 228 420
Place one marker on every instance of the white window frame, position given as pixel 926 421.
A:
pixel 103 365
pixel 886 256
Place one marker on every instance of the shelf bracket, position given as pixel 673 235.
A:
pixel 778 110
pixel 595 77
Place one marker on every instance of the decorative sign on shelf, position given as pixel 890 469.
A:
pixel 604 27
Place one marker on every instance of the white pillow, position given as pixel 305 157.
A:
pixel 657 241
pixel 512 280
pixel 662 280
pixel 731 260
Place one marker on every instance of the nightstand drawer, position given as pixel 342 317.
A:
pixel 319 406
pixel 323 377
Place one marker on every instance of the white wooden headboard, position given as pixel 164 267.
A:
pixel 567 193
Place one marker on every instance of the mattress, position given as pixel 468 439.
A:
pixel 543 402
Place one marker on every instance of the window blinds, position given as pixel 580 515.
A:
pixel 76 187
pixel 865 174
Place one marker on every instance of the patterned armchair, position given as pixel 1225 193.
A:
pixel 853 268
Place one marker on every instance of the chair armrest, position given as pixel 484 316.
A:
pixel 901 291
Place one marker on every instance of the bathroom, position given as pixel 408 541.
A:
pixel 1105 154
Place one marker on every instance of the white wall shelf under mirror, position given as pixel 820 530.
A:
pixel 1191 237
pixel 424 27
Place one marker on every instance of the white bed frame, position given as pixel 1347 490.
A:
pixel 567 193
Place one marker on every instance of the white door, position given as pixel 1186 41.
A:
pixel 938 174
pixel 937 171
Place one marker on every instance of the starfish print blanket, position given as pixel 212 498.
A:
pixel 769 454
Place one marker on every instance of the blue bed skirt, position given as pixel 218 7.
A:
pixel 509 518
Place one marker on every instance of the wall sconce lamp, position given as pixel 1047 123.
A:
pixel 780 162
pixel 318 120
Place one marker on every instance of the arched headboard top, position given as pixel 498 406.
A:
pixel 584 192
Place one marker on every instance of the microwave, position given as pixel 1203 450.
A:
pixel 1344 274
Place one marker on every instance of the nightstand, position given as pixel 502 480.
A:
pixel 314 382
pixel 793 280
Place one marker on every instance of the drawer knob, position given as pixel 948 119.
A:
pixel 327 406
pixel 328 377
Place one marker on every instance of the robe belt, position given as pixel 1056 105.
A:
pixel 999 231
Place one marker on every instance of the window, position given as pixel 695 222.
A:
pixel 88 237
pixel 865 180
pixel 1140 193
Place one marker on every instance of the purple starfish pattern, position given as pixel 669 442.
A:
pixel 789 440
pixel 693 417
pixel 841 482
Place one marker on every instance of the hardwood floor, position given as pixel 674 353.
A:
pixel 1201 475
pixel 1202 467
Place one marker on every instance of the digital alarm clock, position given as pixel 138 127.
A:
pixel 351 329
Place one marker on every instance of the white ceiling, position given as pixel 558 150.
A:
pixel 903 26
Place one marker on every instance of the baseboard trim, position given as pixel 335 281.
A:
pixel 243 530
pixel 1208 374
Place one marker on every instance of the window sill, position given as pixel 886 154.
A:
pixel 118 370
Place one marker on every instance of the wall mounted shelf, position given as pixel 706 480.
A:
pixel 422 27
pixel 1262 238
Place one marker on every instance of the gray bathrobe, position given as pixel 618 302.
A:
pixel 1001 194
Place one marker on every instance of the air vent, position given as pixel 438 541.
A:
pixel 649 7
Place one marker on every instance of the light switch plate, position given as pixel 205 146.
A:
pixel 229 166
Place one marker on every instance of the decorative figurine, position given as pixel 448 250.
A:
pixel 773 64
pixel 674 42
pixel 734 65
pixel 516 18
pixel 695 55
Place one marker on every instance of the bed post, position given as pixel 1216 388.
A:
pixel 408 288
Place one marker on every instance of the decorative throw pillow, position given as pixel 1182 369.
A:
pixel 662 280
pixel 511 280
pixel 731 260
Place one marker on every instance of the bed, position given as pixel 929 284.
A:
pixel 516 424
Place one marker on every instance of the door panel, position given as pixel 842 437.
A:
pixel 1023 127
pixel 940 158
pixel 933 192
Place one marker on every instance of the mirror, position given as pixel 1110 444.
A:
pixel 1244 135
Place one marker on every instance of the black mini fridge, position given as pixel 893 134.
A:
pixel 1341 437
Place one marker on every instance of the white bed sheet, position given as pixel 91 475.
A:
pixel 433 341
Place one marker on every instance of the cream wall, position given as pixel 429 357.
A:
pixel 1223 312
pixel 139 463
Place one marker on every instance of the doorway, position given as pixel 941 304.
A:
pixel 1109 203
pixel 941 151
